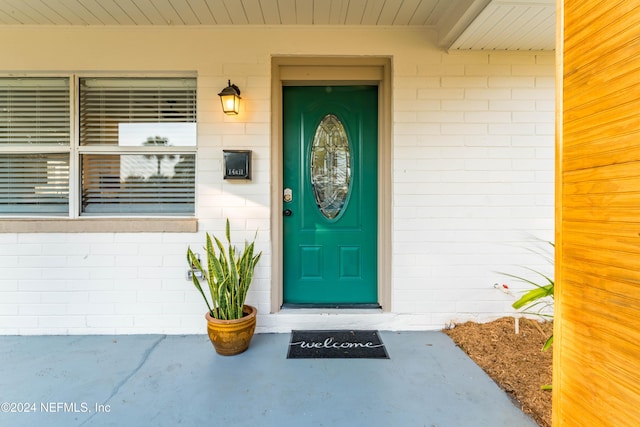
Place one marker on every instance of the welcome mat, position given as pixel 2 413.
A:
pixel 342 344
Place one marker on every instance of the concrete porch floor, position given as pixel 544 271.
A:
pixel 159 380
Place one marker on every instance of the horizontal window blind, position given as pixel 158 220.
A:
pixel 34 111
pixel 34 184
pixel 160 184
pixel 107 103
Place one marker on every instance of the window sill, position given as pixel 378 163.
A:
pixel 100 225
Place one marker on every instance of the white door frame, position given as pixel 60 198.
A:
pixel 300 71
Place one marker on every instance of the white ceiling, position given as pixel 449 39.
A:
pixel 461 24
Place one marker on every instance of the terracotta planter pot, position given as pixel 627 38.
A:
pixel 231 337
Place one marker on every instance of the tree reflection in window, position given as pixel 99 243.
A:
pixel 330 166
pixel 158 141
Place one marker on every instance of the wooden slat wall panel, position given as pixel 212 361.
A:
pixel 597 349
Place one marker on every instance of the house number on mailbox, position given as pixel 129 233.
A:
pixel 237 164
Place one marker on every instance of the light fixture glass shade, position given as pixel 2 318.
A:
pixel 230 98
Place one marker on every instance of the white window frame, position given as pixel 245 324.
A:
pixel 75 222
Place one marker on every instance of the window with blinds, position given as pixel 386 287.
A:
pixel 137 142
pixel 133 154
pixel 35 135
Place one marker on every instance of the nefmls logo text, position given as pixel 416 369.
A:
pixel 72 407
pixel 81 407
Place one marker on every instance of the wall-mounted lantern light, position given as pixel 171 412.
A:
pixel 230 97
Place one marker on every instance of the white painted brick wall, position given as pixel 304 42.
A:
pixel 472 162
pixel 468 198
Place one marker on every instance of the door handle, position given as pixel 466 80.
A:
pixel 287 212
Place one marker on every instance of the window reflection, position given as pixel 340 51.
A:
pixel 139 134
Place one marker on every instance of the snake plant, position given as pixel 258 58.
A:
pixel 228 275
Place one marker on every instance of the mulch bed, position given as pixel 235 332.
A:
pixel 515 362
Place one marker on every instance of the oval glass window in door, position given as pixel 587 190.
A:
pixel 330 166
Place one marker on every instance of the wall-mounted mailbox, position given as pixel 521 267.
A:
pixel 237 164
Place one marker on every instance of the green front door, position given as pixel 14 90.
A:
pixel 330 195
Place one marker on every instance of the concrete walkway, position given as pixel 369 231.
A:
pixel 157 380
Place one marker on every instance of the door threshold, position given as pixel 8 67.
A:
pixel 332 306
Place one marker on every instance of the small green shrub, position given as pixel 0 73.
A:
pixel 539 299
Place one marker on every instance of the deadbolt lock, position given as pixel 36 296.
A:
pixel 288 195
